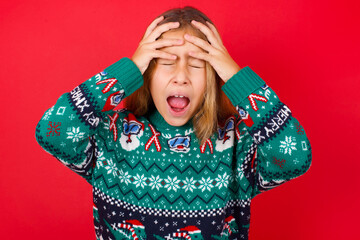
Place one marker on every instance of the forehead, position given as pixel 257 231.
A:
pixel 179 49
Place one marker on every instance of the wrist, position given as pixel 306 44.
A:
pixel 232 72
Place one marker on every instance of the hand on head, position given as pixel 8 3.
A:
pixel 215 52
pixel 147 49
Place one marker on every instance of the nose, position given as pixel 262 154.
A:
pixel 181 75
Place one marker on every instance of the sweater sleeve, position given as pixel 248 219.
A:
pixel 277 149
pixel 69 129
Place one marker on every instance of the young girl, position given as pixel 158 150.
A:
pixel 182 161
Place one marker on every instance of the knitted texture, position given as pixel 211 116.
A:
pixel 152 180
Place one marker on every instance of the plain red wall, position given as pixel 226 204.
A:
pixel 306 50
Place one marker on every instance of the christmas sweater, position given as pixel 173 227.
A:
pixel 151 180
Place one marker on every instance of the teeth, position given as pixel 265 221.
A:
pixel 178 96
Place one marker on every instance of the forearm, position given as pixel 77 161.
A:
pixel 283 150
pixel 68 129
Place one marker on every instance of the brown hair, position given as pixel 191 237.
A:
pixel 216 106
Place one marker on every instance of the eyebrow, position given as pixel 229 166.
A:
pixel 190 57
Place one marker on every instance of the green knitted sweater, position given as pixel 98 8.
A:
pixel 152 180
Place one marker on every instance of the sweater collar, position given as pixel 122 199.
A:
pixel 157 120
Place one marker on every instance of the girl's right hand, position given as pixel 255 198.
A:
pixel 147 49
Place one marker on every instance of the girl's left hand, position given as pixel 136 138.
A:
pixel 216 54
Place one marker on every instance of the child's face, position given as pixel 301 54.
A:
pixel 177 86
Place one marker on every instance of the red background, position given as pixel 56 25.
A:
pixel 307 51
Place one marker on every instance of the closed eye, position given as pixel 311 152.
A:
pixel 173 64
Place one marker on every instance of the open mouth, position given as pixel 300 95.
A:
pixel 178 103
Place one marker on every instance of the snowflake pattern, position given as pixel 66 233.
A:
pixel 155 182
pixel 124 177
pixel 222 181
pixel 240 173
pixel 140 180
pixel 189 184
pixel 205 184
pixel 100 158
pixel 75 134
pixel 111 168
pixel 288 145
pixel 172 183
pixel 232 177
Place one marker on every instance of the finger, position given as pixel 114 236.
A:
pixel 165 42
pixel 208 33
pixel 160 29
pixel 215 31
pixel 152 26
pixel 201 55
pixel 163 54
pixel 199 42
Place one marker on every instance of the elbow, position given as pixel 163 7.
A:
pixel 41 137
